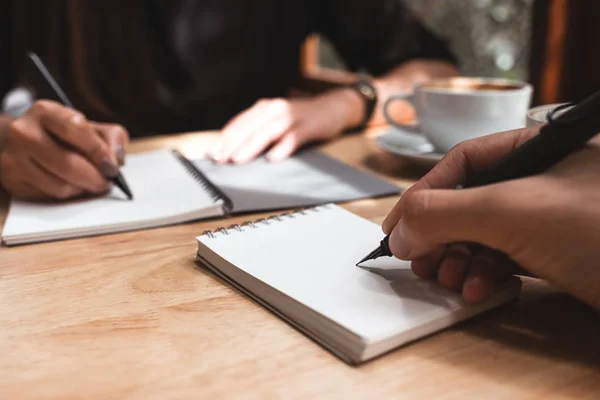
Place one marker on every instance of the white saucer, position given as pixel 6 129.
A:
pixel 411 146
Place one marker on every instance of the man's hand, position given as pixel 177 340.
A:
pixel 287 124
pixel 53 152
pixel 547 225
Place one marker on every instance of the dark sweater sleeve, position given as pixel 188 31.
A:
pixel 378 35
pixel 7 76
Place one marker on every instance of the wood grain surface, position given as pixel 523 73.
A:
pixel 131 316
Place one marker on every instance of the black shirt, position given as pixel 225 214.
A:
pixel 217 57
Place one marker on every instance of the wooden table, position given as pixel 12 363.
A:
pixel 131 316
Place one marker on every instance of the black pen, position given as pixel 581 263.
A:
pixel 561 136
pixel 50 89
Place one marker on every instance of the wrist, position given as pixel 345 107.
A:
pixel 346 105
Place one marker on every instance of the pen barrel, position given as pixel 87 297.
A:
pixel 555 141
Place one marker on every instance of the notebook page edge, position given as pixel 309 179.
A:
pixel 435 325
pixel 13 240
pixel 13 236
pixel 346 356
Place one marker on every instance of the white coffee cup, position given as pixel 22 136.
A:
pixel 539 115
pixel 453 110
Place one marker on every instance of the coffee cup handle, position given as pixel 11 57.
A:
pixel 406 97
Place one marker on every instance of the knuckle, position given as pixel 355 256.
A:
pixel 70 162
pixel 459 151
pixel 42 107
pixel 280 104
pixel 18 128
pixel 120 131
pixel 62 191
pixel 98 150
pixel 415 205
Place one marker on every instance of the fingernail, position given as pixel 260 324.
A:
pixel 108 168
pixel 399 246
pixel 120 154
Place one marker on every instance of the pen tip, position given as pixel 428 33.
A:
pixel 371 256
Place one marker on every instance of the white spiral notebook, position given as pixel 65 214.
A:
pixel 169 189
pixel 302 267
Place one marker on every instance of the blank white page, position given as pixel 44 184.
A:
pixel 312 259
pixel 164 193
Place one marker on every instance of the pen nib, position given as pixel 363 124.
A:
pixel 120 182
pixel 378 252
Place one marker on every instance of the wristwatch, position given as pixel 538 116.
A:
pixel 369 95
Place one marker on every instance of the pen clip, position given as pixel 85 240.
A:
pixel 551 113
pixel 575 111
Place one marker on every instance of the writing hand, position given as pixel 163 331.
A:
pixel 547 225
pixel 53 152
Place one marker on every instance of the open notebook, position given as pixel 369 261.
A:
pixel 170 189
pixel 302 267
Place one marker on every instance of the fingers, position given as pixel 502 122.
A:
pixel 256 142
pixel 394 216
pixel 117 138
pixel 287 145
pixel 48 184
pixel 487 270
pixel 34 182
pixel 236 132
pixel 454 267
pixel 435 217
pixel 471 155
pixel 71 128
pixel 475 273
pixel 67 165
pixel 427 265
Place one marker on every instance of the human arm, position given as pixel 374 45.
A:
pixel 470 240
pixel 54 152
pixel 381 37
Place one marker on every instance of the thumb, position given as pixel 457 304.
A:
pixel 431 218
pixel 117 138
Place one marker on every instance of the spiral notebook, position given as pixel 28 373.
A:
pixel 169 189
pixel 302 267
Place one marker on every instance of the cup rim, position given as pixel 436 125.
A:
pixel 544 108
pixel 522 86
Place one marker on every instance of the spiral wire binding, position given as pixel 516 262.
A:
pixel 261 222
pixel 214 191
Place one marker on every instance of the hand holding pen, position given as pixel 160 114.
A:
pixel 54 152
pixel 532 211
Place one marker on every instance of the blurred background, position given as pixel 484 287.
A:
pixel 550 43
pixel 489 37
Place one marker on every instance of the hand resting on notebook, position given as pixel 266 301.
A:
pixel 286 124
pixel 547 225
pixel 53 152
